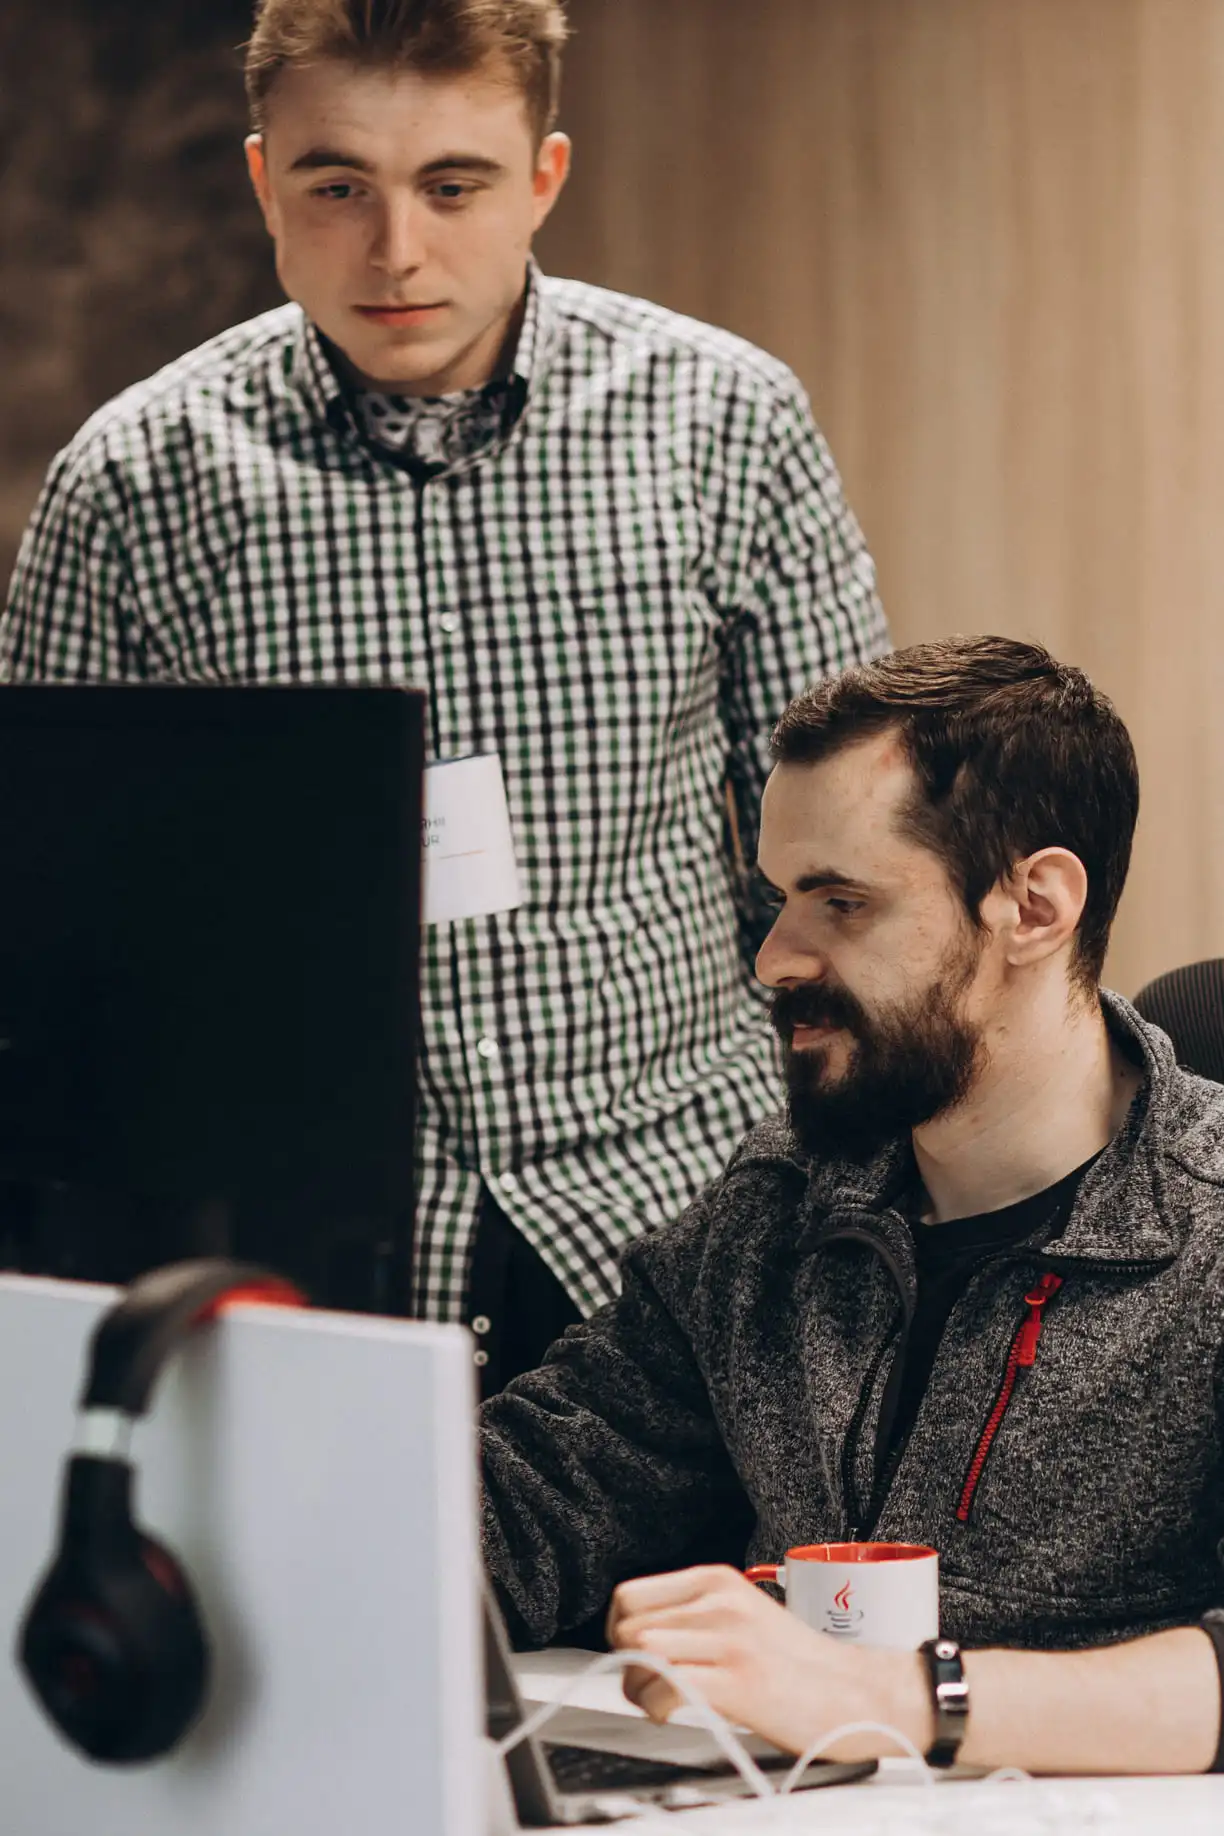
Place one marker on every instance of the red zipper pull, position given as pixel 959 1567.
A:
pixel 1030 1332
pixel 1023 1351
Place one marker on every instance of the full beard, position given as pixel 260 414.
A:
pixel 905 1067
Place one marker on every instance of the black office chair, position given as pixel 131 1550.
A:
pixel 1188 1004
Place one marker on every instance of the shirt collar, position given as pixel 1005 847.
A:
pixel 538 331
pixel 319 386
pixel 313 376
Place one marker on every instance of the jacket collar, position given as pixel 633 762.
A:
pixel 1121 1213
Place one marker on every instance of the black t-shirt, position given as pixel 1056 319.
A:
pixel 947 1255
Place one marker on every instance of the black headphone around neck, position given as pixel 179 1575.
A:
pixel 112 1642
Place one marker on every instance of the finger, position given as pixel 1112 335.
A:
pixel 616 1611
pixel 711 1612
pixel 653 1695
pixel 649 1592
pixel 678 1644
pixel 634 1680
pixel 727 1611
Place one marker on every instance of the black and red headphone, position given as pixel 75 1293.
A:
pixel 112 1642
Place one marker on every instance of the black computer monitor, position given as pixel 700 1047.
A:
pixel 209 924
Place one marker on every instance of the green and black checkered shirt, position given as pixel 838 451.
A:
pixel 618 591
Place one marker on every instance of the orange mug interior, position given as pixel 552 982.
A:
pixel 842 1552
pixel 859 1552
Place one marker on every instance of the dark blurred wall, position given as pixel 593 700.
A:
pixel 127 232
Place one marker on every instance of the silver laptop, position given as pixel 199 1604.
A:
pixel 316 1473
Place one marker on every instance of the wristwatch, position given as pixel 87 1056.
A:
pixel 949 1699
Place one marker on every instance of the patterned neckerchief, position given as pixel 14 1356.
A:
pixel 434 429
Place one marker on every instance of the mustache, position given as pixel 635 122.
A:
pixel 814 1004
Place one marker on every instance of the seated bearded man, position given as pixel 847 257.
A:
pixel 824 1347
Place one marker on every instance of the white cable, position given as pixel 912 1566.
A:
pixel 725 1737
pixel 816 1747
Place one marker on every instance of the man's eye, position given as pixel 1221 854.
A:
pixel 845 908
pixel 452 192
pixel 334 193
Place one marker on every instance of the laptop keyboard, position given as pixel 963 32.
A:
pixel 584 1769
pixel 587 1769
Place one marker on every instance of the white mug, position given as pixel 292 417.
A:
pixel 873 1593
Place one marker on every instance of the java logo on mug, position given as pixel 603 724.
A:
pixel 875 1593
pixel 842 1614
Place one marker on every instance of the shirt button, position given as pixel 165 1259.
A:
pixel 481 1325
pixel 508 1182
pixel 488 1048
pixel 481 1358
pixel 449 622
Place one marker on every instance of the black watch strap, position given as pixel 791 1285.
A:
pixel 1212 1623
pixel 949 1699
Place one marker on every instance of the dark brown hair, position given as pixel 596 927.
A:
pixel 433 37
pixel 1012 752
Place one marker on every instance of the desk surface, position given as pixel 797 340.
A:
pixel 894 1803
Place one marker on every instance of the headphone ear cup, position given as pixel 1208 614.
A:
pixel 174 1648
pixel 116 1653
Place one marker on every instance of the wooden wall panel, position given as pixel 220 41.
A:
pixel 989 235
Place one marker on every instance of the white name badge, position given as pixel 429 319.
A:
pixel 468 863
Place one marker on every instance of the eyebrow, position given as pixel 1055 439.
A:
pixel 463 162
pixel 820 878
pixel 316 159
pixel 828 876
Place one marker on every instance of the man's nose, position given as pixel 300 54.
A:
pixel 784 959
pixel 398 243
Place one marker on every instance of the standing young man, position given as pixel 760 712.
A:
pixel 608 541
pixel 969 1294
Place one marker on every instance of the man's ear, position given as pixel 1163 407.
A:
pixel 257 166
pixel 551 171
pixel 1044 898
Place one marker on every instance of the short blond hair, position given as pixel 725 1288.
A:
pixel 433 37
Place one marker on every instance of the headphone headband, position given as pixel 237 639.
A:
pixel 134 1338
pixel 113 1642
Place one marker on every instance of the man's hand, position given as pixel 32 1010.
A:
pixel 1152 1705
pixel 760 1665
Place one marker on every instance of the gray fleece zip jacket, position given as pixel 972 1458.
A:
pixel 731 1402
